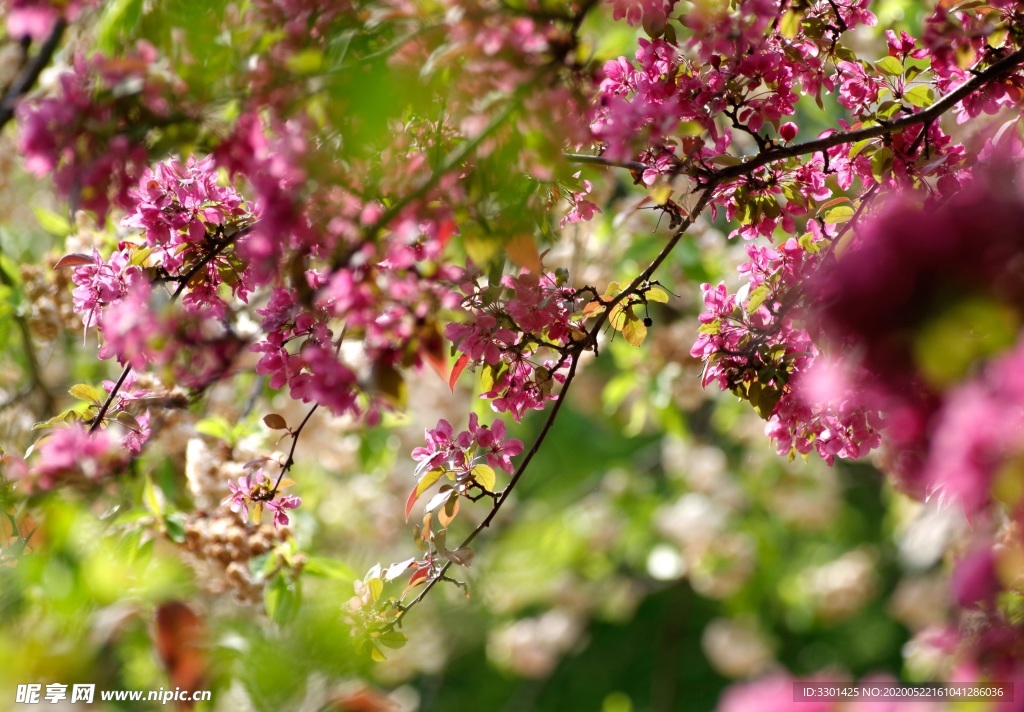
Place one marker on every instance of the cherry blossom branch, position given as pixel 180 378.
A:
pixel 506 492
pixel 24 82
pixel 218 248
pixel 993 72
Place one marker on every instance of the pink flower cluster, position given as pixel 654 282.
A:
pixel 508 328
pixel 188 222
pixel 460 453
pixel 256 491
pixel 90 136
pixel 753 344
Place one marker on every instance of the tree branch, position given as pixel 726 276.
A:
pixel 184 280
pixel 505 493
pixel 25 80
pixel 926 116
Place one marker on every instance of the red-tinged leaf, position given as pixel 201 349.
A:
pixel 463 556
pixel 396 570
pixel 432 349
pixel 362 699
pixel 275 421
pixel 457 370
pixel 422 486
pixel 593 308
pixel 832 203
pixel 180 640
pixel 419 577
pixel 74 260
pixel 523 251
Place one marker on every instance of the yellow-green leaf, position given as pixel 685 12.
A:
pixel 890 65
pixel 87 393
pixel 52 222
pixel 921 96
pixel 839 215
pixel 657 294
pixel 484 476
pixel 634 330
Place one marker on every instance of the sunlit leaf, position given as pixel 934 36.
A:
pixel 484 476
pixel 457 369
pixel 634 330
pixel 921 96
pixel 657 294
pixel 86 392
pixel 396 570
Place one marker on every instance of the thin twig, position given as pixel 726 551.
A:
pixel 926 116
pixel 506 492
pixel 291 453
pixel 184 280
pixel 602 161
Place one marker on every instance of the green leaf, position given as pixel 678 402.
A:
pixel 859 146
pixel 308 61
pixel 328 568
pixel 890 65
pixel 921 96
pixel 393 639
pixel 617 317
pixel 281 599
pixel 376 587
pixel 140 256
pixel 881 163
pixel 757 297
pixel 175 528
pixel 808 243
pixel 216 427
pixel 484 476
pixel 85 392
pixel 657 294
pixel 713 327
pixel 150 497
pixel 128 420
pixel 52 222
pixel 789 26
pixel 838 215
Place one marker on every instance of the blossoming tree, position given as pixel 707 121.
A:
pixel 274 215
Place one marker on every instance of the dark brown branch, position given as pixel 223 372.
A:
pixel 926 116
pixel 291 453
pixel 26 79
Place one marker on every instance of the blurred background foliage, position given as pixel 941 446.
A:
pixel 656 551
